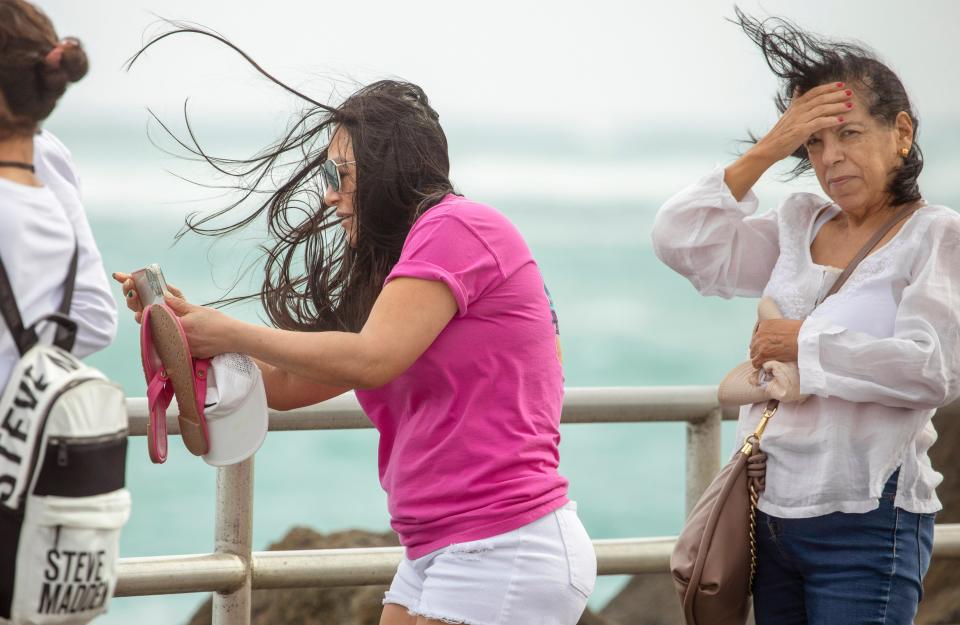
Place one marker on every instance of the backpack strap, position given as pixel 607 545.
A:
pixel 67 333
pixel 26 337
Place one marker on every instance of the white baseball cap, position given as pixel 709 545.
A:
pixel 235 409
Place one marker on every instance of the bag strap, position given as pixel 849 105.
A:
pixel 905 211
pixel 26 337
pixel 66 335
pixel 753 441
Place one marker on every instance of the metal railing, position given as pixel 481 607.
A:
pixel 233 570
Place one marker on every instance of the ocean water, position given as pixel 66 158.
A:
pixel 584 202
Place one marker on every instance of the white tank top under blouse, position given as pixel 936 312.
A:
pixel 878 357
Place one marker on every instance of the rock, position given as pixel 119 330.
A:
pixel 646 600
pixel 592 618
pixel 350 605
pixel 649 599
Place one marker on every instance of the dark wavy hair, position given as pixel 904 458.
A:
pixel 314 280
pixel 803 61
pixel 30 83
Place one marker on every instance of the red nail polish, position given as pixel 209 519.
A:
pixel 839 84
pixel 840 119
pixel 848 92
pixel 849 105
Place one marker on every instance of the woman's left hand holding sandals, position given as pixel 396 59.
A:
pixel 208 330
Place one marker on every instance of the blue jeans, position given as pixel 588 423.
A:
pixel 849 569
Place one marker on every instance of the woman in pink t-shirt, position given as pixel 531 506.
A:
pixel 382 279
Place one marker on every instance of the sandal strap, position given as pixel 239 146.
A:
pixel 157 435
pixel 159 394
pixel 201 369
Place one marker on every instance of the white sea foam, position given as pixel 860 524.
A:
pixel 129 189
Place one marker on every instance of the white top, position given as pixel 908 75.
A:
pixel 36 244
pixel 877 357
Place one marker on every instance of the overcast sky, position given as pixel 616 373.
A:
pixel 585 63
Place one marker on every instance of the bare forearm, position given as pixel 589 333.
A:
pixel 743 173
pixel 337 359
pixel 275 382
pixel 286 391
pixel 407 317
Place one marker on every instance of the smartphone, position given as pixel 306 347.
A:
pixel 150 284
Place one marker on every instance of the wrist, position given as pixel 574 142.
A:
pixel 760 157
pixel 235 336
pixel 743 173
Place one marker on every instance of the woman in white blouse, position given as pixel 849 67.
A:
pixel 845 528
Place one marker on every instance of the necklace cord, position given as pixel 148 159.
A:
pixel 19 165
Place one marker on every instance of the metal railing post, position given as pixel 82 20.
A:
pixel 703 455
pixel 234 534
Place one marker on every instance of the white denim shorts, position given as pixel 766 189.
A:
pixel 540 573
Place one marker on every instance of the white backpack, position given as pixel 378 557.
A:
pixel 63 441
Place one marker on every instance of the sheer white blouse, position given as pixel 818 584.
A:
pixel 877 358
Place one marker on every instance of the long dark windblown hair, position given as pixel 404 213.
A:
pixel 313 280
pixel 803 61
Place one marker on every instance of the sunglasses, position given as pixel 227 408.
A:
pixel 330 174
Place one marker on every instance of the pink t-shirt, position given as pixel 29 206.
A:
pixel 469 433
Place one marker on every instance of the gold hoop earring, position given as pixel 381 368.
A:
pixel 904 152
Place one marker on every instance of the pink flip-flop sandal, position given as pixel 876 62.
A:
pixel 171 371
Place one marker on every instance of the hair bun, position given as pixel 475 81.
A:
pixel 74 63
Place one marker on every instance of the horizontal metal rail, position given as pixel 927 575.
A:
pixel 313 568
pixel 165 575
pixel 580 405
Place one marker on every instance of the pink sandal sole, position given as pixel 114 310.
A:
pixel 171 371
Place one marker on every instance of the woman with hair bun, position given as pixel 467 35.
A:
pixel 845 523
pixel 43 219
